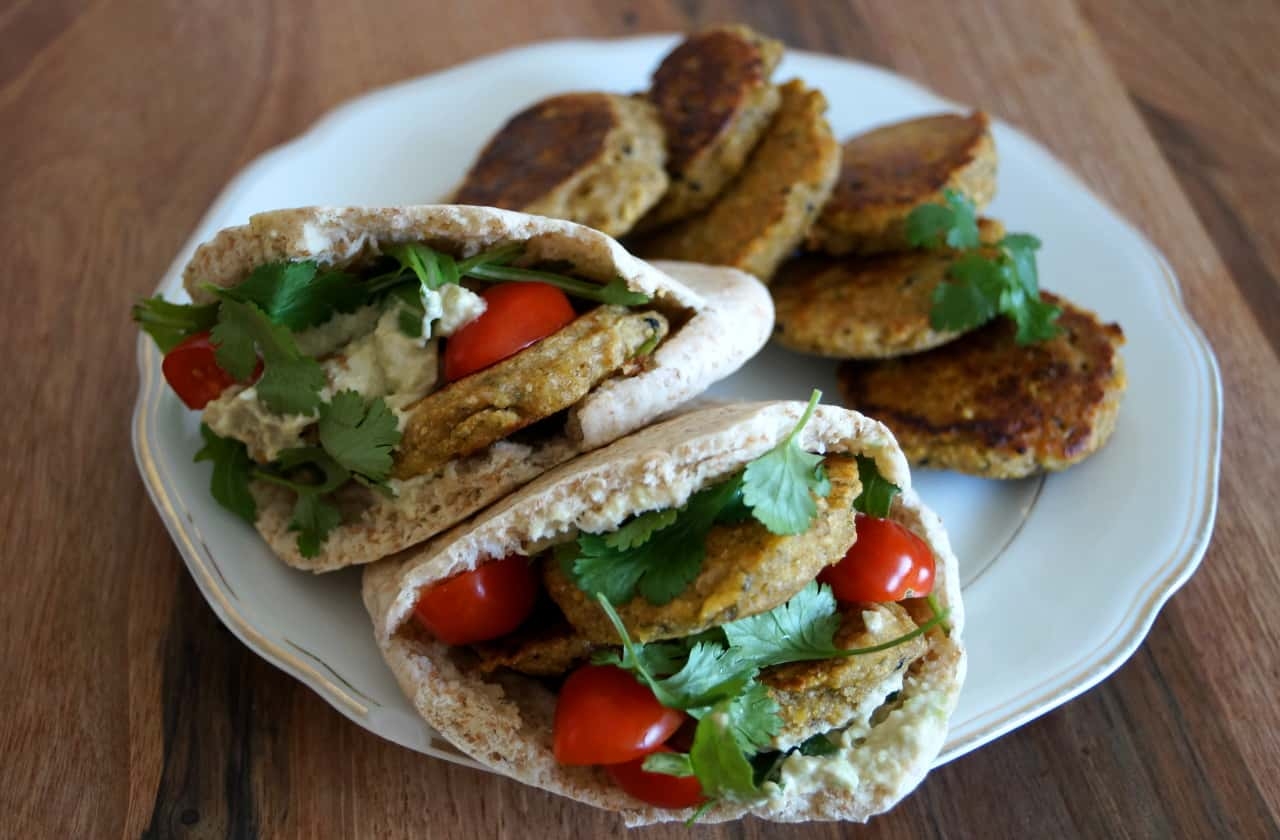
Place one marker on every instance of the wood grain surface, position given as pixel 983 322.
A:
pixel 129 710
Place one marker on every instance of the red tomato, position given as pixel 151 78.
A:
pixel 605 716
pixel 516 315
pixel 887 563
pixel 192 371
pixel 484 603
pixel 657 788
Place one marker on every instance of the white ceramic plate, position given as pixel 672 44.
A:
pixel 1063 575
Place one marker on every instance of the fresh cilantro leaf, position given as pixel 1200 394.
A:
pixel 638 531
pixel 800 629
pixel 753 716
pixel 954 222
pixel 359 435
pixel 169 323
pixel 232 469
pixel 877 493
pixel 1036 321
pixel 818 744
pixel 803 629
pixel 299 295
pixel 412 311
pixel 717 757
pixel 970 298
pixel 709 674
pixel 660 566
pixel 779 486
pixel 670 764
pixel 313 516
pixel 290 382
pixel 1021 249
pixel 313 519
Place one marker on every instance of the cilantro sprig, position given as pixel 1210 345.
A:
pixel 659 553
pixel 434 269
pixel 876 498
pixel 355 442
pixel 779 486
pixel 714 677
pixel 169 323
pixel 291 382
pixel 983 282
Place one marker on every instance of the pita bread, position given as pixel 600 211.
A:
pixel 720 318
pixel 504 720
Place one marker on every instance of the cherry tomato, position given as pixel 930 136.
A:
pixel 605 716
pixel 887 563
pixel 484 603
pixel 192 371
pixel 515 316
pixel 657 788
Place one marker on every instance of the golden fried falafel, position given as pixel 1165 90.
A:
pixel 545 647
pixel 594 158
pixel 747 570
pixel 714 100
pixel 863 307
pixel 478 410
pixel 764 213
pixel 888 172
pixel 988 406
pixel 815 697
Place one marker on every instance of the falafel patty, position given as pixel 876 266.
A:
pixel 551 375
pixel 746 571
pixel 988 406
pixel 715 101
pixel 888 172
pixel 863 307
pixel 815 697
pixel 765 212
pixel 593 158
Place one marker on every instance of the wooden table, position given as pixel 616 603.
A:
pixel 127 707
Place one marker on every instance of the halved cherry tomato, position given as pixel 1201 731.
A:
pixel 657 788
pixel 605 716
pixel 887 563
pixel 192 371
pixel 484 603
pixel 515 316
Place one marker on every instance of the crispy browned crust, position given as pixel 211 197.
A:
pixel 863 307
pixel 714 100
pixel 823 695
pixel 986 406
pixel 747 570
pixel 762 216
pixel 546 647
pixel 478 410
pixel 889 171
pixel 593 158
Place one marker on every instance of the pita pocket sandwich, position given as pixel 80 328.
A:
pixel 370 377
pixel 742 610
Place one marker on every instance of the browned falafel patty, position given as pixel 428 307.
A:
pixel 888 172
pixel 747 570
pixel 763 215
pixel 986 405
pixel 594 158
pixel 478 410
pixel 715 101
pixel 863 307
pixel 819 696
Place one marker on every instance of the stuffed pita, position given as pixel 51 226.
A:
pixel 356 400
pixel 837 718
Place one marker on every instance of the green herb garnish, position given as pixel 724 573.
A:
pixel 779 486
pixel 877 494
pixel 291 382
pixel 983 282
pixel 169 324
